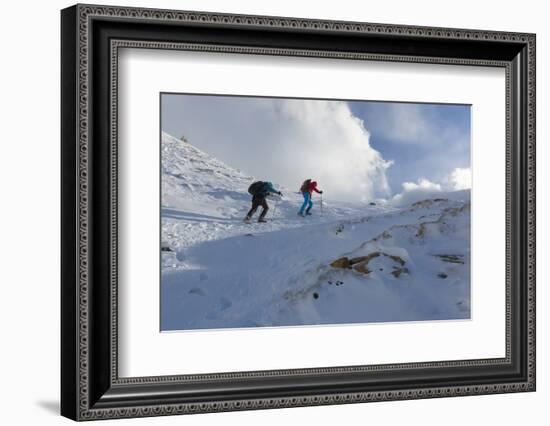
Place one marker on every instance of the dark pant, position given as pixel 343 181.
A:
pixel 257 202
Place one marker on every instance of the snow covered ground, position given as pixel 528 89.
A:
pixel 345 264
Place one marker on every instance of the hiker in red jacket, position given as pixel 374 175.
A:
pixel 307 189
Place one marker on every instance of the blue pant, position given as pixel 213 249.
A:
pixel 307 202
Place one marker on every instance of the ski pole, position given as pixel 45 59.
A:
pixel 274 209
pixel 321 204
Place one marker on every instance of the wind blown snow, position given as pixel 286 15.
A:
pixel 348 263
pixel 287 141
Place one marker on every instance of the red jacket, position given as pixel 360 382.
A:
pixel 312 187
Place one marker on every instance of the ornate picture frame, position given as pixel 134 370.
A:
pixel 91 38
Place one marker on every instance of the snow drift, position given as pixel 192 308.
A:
pixel 288 140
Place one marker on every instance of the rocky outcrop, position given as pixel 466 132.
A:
pixel 451 258
pixel 360 263
pixel 398 271
pixel 342 263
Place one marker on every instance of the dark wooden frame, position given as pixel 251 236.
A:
pixel 90 386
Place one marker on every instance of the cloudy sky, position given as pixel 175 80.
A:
pixel 356 150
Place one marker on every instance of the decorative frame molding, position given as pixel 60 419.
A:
pixel 91 388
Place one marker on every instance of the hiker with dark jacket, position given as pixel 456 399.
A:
pixel 259 191
pixel 307 189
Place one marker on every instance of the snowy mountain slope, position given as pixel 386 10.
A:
pixel 203 199
pixel 352 264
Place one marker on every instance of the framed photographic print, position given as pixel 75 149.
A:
pixel 263 212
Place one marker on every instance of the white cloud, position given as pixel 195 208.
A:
pixel 460 178
pixel 422 185
pixel 285 141
pixel 412 191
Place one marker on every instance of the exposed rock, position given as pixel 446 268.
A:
pixel 360 264
pixel 367 259
pixel 398 271
pixel 362 268
pixel 455 211
pixel 442 275
pixel 396 259
pixel 451 258
pixel 427 203
pixel 342 263
pixel 359 259
pixel 421 230
pixel 383 236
